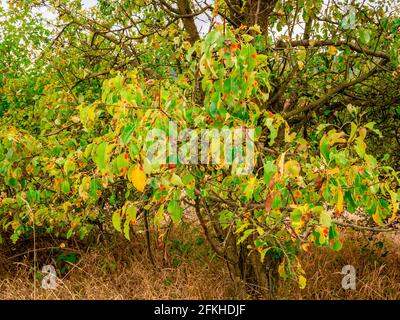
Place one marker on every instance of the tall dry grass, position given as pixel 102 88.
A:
pixel 188 270
pixel 375 259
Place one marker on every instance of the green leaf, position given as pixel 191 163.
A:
pixel 269 170
pixel 175 211
pixel 364 36
pixel 350 204
pixel 130 217
pixel 324 149
pixel 121 163
pixel 325 219
pixel 353 132
pixel 370 126
pixel 212 37
pixel 245 235
pixel 360 147
pixel 70 233
pixel 295 216
pixel 65 187
pixel 273 131
pixel 322 127
pixel 213 109
pixel 100 157
pixel 336 245
pixel 69 166
pixel 12 182
pixel 116 220
pixel 176 180
pixel 249 188
pixel 159 216
pixel 127 133
pixel 292 168
pixel 247 38
pixel 188 179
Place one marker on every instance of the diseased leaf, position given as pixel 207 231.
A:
pixel 292 168
pixel 269 201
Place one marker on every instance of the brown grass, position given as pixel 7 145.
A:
pixel 121 270
pixel 377 270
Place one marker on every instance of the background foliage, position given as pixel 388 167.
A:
pixel 317 80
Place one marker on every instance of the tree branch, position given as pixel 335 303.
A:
pixel 332 92
pixel 365 228
pixel 338 43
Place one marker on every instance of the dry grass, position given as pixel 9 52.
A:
pixel 377 270
pixel 136 281
pixel 124 271
pixel 119 269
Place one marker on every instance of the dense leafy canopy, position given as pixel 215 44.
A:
pixel 318 81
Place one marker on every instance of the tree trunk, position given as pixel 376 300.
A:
pixel 249 274
pixel 188 21
pixel 251 12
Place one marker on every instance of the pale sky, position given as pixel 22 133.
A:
pixel 201 21
pixel 47 14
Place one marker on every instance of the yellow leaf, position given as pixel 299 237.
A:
pixel 339 204
pixel 281 268
pixel 256 28
pixel 306 247
pixel 292 168
pixel 281 162
pixel 362 133
pixel 336 137
pixel 302 282
pixel 377 218
pixel 332 50
pixel 333 171
pixel 395 206
pixel 138 178
pixel 15 224
pixel 392 217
